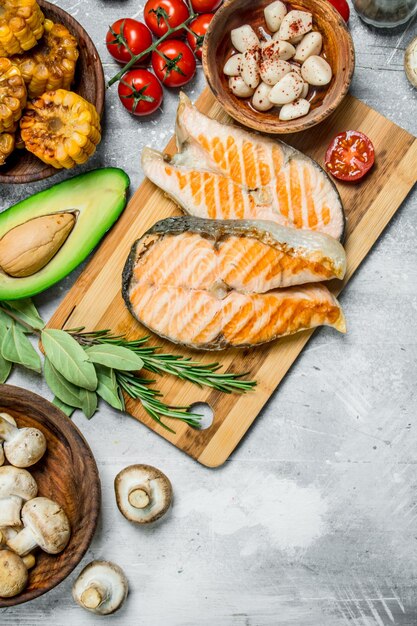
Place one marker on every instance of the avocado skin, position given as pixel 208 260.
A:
pixel 97 197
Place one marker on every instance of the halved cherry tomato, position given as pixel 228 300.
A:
pixel 199 27
pixel 158 13
pixel 127 38
pixel 343 8
pixel 350 155
pixel 173 63
pixel 140 92
pixel 205 6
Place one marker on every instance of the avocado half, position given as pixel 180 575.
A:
pixel 96 198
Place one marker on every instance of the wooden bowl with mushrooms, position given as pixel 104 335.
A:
pixel 68 486
pixel 336 51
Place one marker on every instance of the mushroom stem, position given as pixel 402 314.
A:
pixel 139 497
pixel 29 560
pixel 94 595
pixel 24 542
pixel 10 508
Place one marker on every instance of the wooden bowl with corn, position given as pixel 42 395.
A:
pixel 52 80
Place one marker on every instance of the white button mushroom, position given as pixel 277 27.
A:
pixel 13 574
pixel 244 37
pixel 23 446
pixel 410 62
pixel 249 67
pixel 10 419
pixel 260 99
pixel 287 90
pixel 101 587
pixel 274 14
pixel 272 71
pixel 304 90
pixel 45 525
pixel 16 487
pixel 291 111
pixel 311 44
pixel 316 71
pixel 143 493
pixel 232 65
pixel 295 24
pixel 239 87
pixel 276 50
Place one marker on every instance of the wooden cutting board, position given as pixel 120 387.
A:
pixel 95 300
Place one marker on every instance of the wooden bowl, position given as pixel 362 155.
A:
pixel 337 49
pixel 24 167
pixel 68 474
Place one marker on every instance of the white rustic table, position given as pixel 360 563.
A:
pixel 312 522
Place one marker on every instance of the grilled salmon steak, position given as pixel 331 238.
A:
pixel 224 172
pixel 211 284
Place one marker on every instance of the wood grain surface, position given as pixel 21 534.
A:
pixel 24 167
pixel 338 50
pixel 68 474
pixel 95 300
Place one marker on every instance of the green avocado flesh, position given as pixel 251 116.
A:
pixel 96 199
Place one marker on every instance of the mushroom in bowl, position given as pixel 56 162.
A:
pixel 323 36
pixel 22 447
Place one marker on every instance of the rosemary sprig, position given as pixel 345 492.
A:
pixel 182 367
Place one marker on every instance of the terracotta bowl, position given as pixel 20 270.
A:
pixel 337 49
pixel 68 474
pixel 24 167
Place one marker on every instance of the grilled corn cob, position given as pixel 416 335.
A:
pixel 12 95
pixel 61 128
pixel 21 25
pixel 6 146
pixel 51 65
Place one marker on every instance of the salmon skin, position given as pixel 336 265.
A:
pixel 223 172
pixel 212 284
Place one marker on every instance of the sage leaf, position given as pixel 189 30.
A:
pixel 5 322
pixel 107 387
pixel 5 369
pixel 17 348
pixel 116 357
pixel 62 388
pixel 89 402
pixel 65 408
pixel 27 312
pixel 68 358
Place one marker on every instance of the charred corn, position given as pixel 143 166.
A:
pixel 12 95
pixel 6 146
pixel 61 128
pixel 51 65
pixel 21 26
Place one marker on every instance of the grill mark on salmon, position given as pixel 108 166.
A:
pixel 211 284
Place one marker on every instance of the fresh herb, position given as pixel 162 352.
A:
pixel 80 367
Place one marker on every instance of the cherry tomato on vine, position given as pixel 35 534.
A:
pixel 158 13
pixel 199 26
pixel 127 37
pixel 350 155
pixel 140 92
pixel 174 63
pixel 205 6
pixel 343 8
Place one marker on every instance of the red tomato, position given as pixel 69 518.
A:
pixel 128 37
pixel 175 64
pixel 158 12
pixel 343 8
pixel 350 155
pixel 205 6
pixel 199 26
pixel 140 92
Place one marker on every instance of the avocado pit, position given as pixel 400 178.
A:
pixel 28 247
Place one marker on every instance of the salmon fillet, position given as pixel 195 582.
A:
pixel 224 172
pixel 202 283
